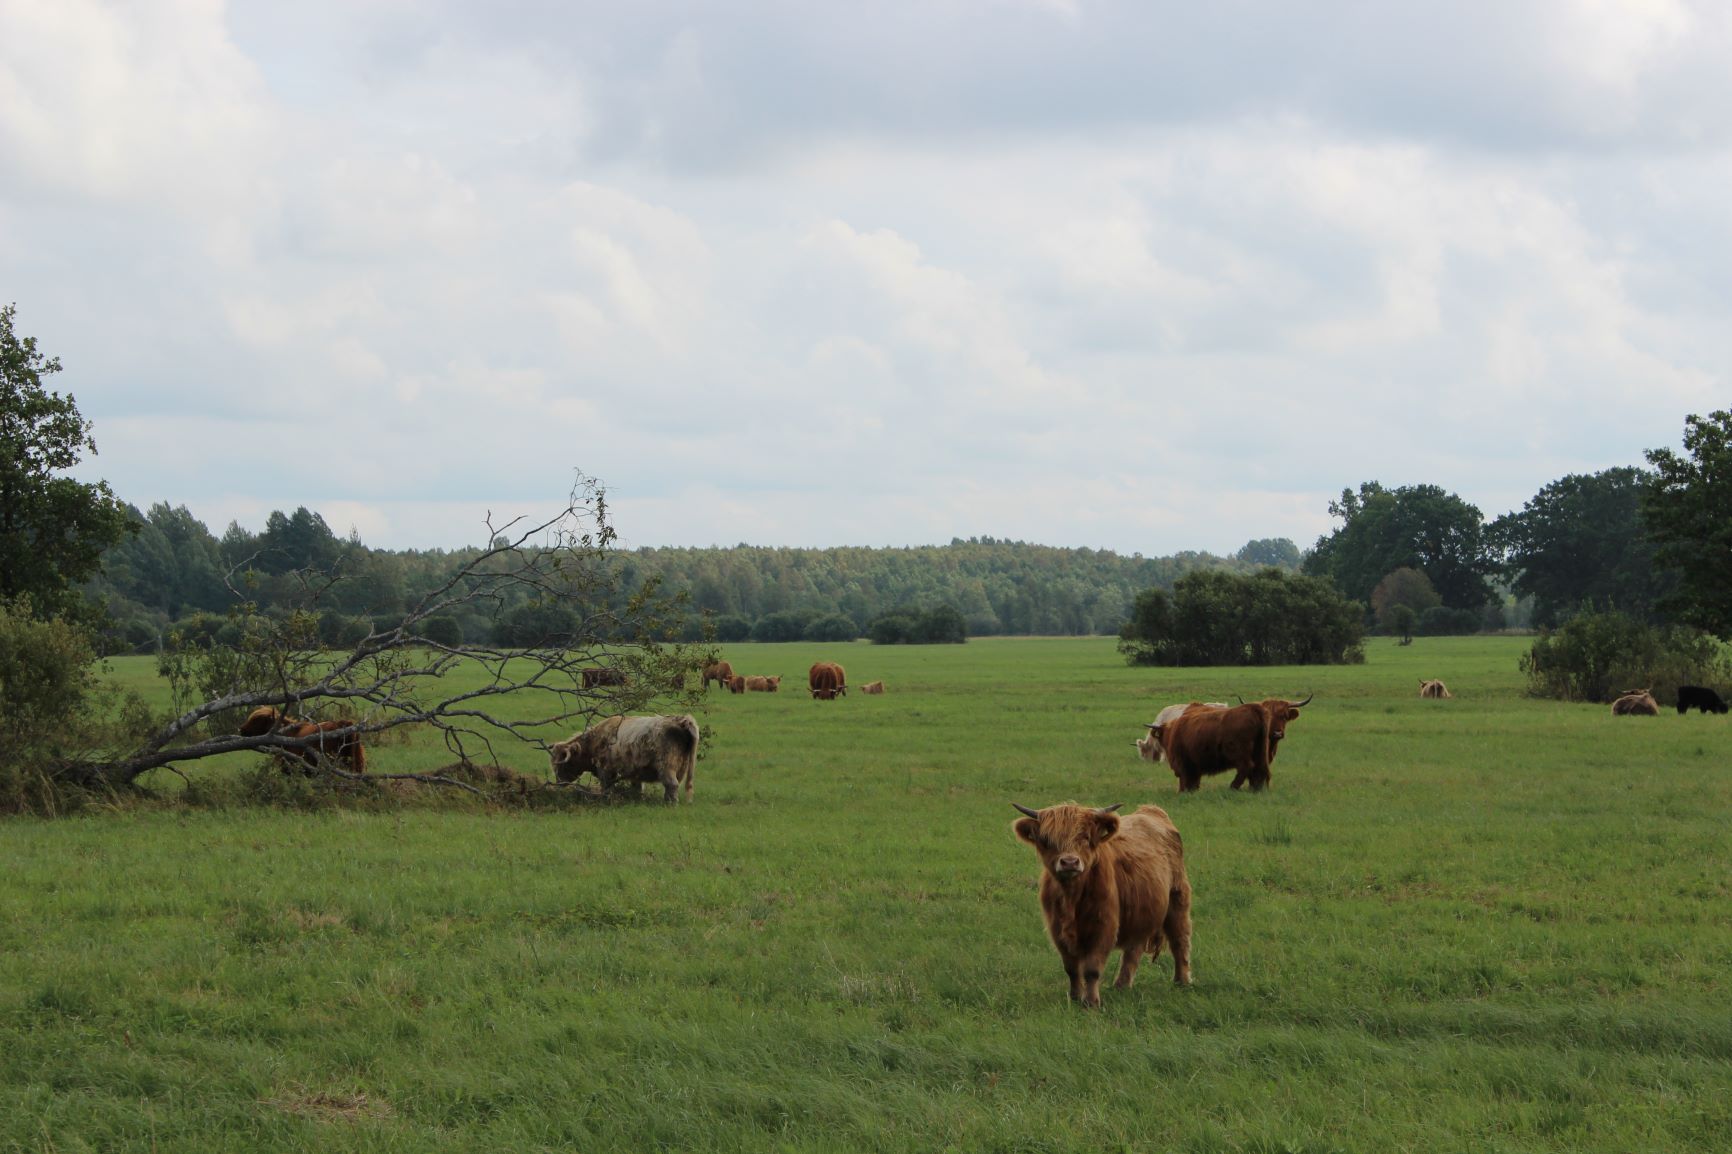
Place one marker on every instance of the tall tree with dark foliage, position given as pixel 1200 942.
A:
pixel 53 529
pixel 1688 507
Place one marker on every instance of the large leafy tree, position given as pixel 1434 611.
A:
pixel 53 529
pixel 1581 541
pixel 1416 526
pixel 1688 508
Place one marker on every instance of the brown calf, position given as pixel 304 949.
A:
pixel 1110 883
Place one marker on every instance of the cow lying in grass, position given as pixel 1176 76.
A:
pixel 631 749
pixel 1433 688
pixel 348 748
pixel 1636 703
pixel 1110 883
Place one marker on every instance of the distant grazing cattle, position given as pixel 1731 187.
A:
pixel 1110 883
pixel 1636 703
pixel 596 675
pixel 346 748
pixel 1244 738
pixel 873 687
pixel 1699 697
pixel 764 684
pixel 1149 747
pixel 721 672
pixel 827 680
pixel 631 749
pixel 1433 688
pixel 736 684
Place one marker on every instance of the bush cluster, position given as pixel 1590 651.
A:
pixel 1213 617
pixel 1597 656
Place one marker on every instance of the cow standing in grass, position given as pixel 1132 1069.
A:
pixel 721 672
pixel 631 749
pixel 827 680
pixel 1699 697
pixel 1244 739
pixel 1110 883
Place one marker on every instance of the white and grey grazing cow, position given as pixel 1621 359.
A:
pixel 635 749
pixel 1149 748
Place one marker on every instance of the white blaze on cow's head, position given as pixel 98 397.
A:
pixel 1066 837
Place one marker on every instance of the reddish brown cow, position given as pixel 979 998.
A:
pixel 764 684
pixel 873 687
pixel 1110 883
pixel 736 684
pixel 827 680
pixel 1244 739
pixel 348 747
pixel 596 675
pixel 721 672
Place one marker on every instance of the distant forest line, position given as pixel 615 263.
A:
pixel 174 573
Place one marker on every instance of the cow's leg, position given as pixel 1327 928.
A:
pixel 1238 778
pixel 1128 966
pixel 1092 968
pixel 1177 929
pixel 670 788
pixel 1073 970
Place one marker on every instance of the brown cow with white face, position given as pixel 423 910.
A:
pixel 1244 739
pixel 1110 883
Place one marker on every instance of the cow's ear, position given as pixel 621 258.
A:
pixel 1292 713
pixel 1106 825
pixel 1027 829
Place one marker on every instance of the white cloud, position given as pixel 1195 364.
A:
pixel 1095 273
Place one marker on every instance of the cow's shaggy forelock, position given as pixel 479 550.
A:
pixel 1067 829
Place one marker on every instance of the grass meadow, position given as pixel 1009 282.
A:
pixel 1484 924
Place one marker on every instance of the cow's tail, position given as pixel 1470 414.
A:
pixel 684 734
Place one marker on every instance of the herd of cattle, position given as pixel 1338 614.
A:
pixel 1107 881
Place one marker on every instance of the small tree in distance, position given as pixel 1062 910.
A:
pixel 1402 588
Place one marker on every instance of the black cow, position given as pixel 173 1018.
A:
pixel 1701 697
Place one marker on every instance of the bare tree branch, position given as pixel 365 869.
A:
pixel 549 585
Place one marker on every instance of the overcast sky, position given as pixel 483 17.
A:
pixel 1144 276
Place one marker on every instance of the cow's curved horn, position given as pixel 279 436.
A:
pixel 1108 808
pixel 1034 813
pixel 1307 701
pixel 1150 725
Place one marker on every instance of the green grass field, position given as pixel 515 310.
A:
pixel 1485 924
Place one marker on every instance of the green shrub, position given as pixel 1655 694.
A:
pixel 940 625
pixel 47 676
pixel 834 627
pixel 1442 621
pixel 733 627
pixel 787 625
pixel 1597 656
pixel 1213 617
